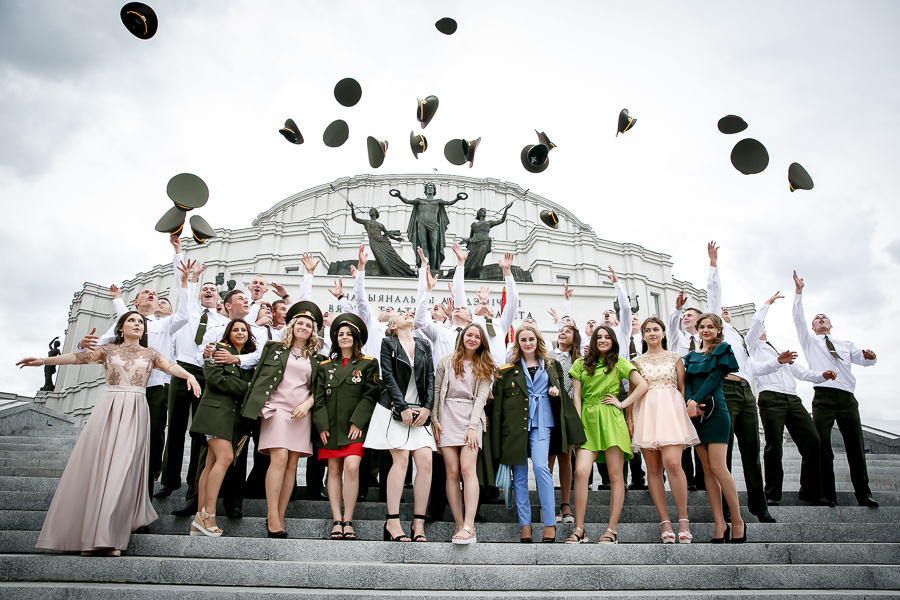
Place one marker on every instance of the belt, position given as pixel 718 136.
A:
pixel 469 400
pixel 736 379
pixel 126 388
pixel 192 369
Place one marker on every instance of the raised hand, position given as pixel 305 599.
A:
pixel 680 300
pixel 483 294
pixel 30 362
pixel 798 284
pixel 422 258
pixel 612 274
pixel 713 251
pixel 567 291
pixel 773 298
pixel 338 290
pixel 430 281
pixel 554 316
pixel 506 264
pixel 279 289
pixel 176 242
pixel 198 269
pixel 115 292
pixel 363 257
pixel 868 355
pixel 787 357
pixel 309 262
pixel 461 254
pixel 353 271
pixel 450 288
pixel 451 306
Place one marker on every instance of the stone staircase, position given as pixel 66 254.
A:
pixel 829 553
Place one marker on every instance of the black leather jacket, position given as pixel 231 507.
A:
pixel 396 371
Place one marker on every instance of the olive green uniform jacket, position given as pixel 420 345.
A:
pixel 509 413
pixel 269 373
pixel 220 405
pixel 345 396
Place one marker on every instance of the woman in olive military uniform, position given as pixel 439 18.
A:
pixel 525 392
pixel 216 418
pixel 281 393
pixel 346 394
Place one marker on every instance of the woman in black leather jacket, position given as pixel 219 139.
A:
pixel 407 376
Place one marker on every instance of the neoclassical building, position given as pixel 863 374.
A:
pixel 318 221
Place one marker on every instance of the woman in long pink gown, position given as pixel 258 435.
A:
pixel 102 495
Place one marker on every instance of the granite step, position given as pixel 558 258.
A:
pixel 54 431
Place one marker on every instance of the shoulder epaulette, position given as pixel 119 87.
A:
pixel 506 366
pixel 368 358
pixel 325 362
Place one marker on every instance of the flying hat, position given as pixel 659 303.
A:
pixel 798 178
pixel 625 122
pixel 304 308
pixel 347 91
pixel 291 132
pixel 535 158
pixel 336 134
pixel 140 20
pixel 544 140
pixel 354 322
pixel 549 218
pixel 172 221
pixel 453 152
pixel 418 143
pixel 377 150
pixel 469 150
pixel 731 124
pixel 187 191
pixel 447 26
pixel 426 109
pixel 749 157
pixel 201 229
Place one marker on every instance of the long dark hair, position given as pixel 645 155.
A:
pixel 717 323
pixel 249 345
pixel 592 358
pixel 120 337
pixel 357 343
pixel 575 350
pixel 658 321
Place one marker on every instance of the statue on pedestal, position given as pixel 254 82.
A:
pixel 389 262
pixel 49 370
pixel 428 225
pixel 479 242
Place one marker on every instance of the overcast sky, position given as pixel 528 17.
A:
pixel 94 122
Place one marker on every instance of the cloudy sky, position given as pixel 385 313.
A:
pixel 94 122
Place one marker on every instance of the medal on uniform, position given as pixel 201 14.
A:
pixel 357 376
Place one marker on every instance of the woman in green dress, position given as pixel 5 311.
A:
pixel 705 370
pixel 596 377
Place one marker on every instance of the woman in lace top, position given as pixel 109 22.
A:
pixel 111 450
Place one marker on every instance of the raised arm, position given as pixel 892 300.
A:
pixel 758 325
pixel 183 315
pixel 310 264
pixel 396 194
pixel 713 284
pixel 512 293
pixel 423 319
pixel 799 319
pixel 503 217
pixel 459 277
pixel 567 303
pixel 353 213
pixel 363 308
pixel 623 329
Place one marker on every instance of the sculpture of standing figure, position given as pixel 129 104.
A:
pixel 380 238
pixel 479 242
pixel 428 224
pixel 49 370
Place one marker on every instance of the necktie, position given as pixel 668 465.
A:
pixel 769 344
pixel 632 351
pixel 693 346
pixel 490 327
pixel 269 331
pixel 831 349
pixel 201 328
pixel 458 331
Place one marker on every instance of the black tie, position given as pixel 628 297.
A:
pixel 458 331
pixel 772 347
pixel 269 331
pixel 632 351
pixel 201 328
pixel 831 349
pixel 693 347
pixel 490 327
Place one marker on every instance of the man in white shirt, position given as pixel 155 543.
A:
pixel 780 407
pixel 834 400
pixel 443 339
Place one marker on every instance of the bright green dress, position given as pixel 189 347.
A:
pixel 604 424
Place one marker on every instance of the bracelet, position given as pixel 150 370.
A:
pixel 629 421
pixel 340 296
pixel 43 362
pixel 285 297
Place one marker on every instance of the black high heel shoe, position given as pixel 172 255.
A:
pixel 337 535
pixel 419 537
pixel 280 535
pixel 724 538
pixel 550 540
pixel 350 535
pixel 742 539
pixel 387 535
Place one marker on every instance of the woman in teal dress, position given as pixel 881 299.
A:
pixel 705 370
pixel 596 377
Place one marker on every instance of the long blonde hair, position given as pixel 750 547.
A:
pixel 540 352
pixel 483 366
pixel 312 345
pixel 717 323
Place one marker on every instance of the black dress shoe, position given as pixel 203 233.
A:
pixel 360 497
pixel 637 485
pixel 277 534
pixel 320 496
pixel 867 501
pixel 234 513
pixel 692 487
pixel 764 516
pixel 773 502
pixel 603 486
pixel 165 492
pixel 188 510
pixel 143 529
pixel 823 501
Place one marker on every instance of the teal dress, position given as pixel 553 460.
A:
pixel 703 377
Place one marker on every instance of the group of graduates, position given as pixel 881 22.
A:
pixel 361 392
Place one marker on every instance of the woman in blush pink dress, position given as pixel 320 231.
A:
pixel 102 495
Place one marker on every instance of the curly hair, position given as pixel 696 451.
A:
pixel 483 366
pixel 592 358
pixel 312 345
pixel 720 337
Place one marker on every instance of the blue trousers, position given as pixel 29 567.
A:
pixel 539 451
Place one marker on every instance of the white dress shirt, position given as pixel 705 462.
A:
pixel 305 294
pixel 820 359
pixel 496 342
pixel 443 339
pixel 364 311
pixel 186 350
pixel 731 335
pixel 783 380
pixel 680 341
pixel 214 335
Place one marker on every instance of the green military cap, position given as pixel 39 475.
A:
pixel 201 229
pixel 377 150
pixel 749 157
pixel 798 178
pixel 625 122
pixel 187 191
pixel 291 132
pixel 447 26
pixel 549 218
pixel 469 148
pixel 352 321
pixel 535 158
pixel 140 20
pixel 417 143
pixel 305 308
pixel 172 221
pixel 426 109
pixel 454 152
pixel 336 133
pixel 544 140
pixel 347 91
pixel 731 124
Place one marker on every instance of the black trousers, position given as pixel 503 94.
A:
pixel 778 411
pixel 693 468
pixel 157 401
pixel 233 488
pixel 831 405
pixel 182 404
pixel 745 427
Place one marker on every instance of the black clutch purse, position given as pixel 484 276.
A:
pixel 709 405
pixel 395 413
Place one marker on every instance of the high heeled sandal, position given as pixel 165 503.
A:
pixel 576 538
pixel 668 537
pixel 565 518
pixel 609 539
pixel 337 535
pixel 198 527
pixel 742 539
pixel 725 537
pixel 387 535
pixel 684 537
pixel 418 537
pixel 469 531
pixel 348 535
pixel 550 540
